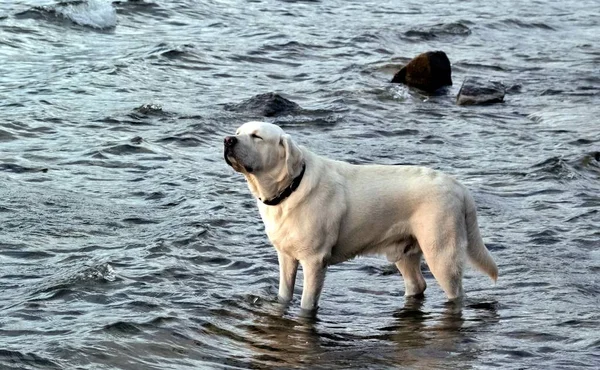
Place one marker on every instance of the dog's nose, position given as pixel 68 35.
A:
pixel 230 141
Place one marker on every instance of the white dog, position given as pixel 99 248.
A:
pixel 319 212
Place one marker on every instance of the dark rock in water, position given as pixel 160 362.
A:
pixel 268 105
pixel 428 71
pixel 137 140
pixel 514 89
pixel 480 91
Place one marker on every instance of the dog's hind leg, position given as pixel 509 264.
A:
pixel 410 268
pixel 446 263
pixel 444 244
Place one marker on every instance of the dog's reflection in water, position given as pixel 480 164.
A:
pixel 412 336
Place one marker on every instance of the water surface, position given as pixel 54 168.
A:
pixel 127 242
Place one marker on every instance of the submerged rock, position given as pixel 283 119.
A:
pixel 149 109
pixel 268 105
pixel 427 71
pixel 476 90
pixel 15 168
pixel 440 30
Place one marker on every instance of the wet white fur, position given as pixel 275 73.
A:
pixel 341 210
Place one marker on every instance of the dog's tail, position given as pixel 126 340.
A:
pixel 478 254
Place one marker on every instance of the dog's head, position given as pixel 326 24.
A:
pixel 262 150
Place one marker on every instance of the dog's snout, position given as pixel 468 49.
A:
pixel 230 141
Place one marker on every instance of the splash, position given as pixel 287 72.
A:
pixel 92 13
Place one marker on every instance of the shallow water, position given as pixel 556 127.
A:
pixel 127 242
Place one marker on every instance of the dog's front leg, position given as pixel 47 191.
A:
pixel 288 267
pixel 314 277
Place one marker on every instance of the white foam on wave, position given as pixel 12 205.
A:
pixel 92 13
pixel 399 92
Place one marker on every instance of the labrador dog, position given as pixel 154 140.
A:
pixel 318 212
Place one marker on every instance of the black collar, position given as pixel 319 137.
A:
pixel 287 191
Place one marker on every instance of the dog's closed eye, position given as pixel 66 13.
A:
pixel 255 136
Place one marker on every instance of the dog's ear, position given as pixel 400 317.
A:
pixel 293 154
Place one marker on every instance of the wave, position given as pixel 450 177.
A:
pixel 65 283
pixel 569 168
pixel 523 24
pixel 93 13
pixel 10 358
pixel 99 14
